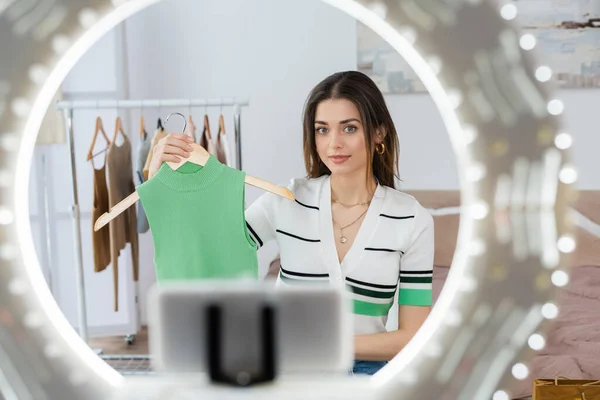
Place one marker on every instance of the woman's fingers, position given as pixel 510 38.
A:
pixel 176 150
pixel 181 136
pixel 169 158
pixel 178 140
pixel 172 148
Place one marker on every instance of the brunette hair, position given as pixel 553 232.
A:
pixel 375 117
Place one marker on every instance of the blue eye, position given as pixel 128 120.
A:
pixel 321 130
pixel 350 129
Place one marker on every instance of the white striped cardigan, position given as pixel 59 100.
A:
pixel 393 249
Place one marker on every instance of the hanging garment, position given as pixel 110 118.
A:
pixel 158 135
pixel 191 129
pixel 221 150
pixel 196 216
pixel 205 139
pixel 143 151
pixel 122 229
pixel 222 146
pixel 101 238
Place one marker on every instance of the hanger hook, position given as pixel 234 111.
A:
pixel 182 116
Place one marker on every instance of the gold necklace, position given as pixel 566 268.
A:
pixel 366 203
pixel 344 239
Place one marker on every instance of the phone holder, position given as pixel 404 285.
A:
pixel 214 349
pixel 246 333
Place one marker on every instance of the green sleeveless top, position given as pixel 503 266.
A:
pixel 196 215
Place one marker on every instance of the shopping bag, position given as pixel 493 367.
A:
pixel 563 388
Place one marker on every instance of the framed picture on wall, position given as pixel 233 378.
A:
pixel 567 36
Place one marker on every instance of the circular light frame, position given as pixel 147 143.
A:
pixel 504 128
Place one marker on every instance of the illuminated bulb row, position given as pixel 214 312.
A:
pixel 567 175
pixel 536 342
pixel 528 42
pixel 520 371
pixel 9 142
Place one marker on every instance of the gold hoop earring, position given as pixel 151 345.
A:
pixel 380 148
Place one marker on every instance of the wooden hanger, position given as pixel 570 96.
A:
pixel 119 128
pixel 142 127
pixel 221 126
pixel 198 156
pixel 99 129
pixel 206 127
pixel 191 131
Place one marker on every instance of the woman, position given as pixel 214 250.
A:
pixel 348 225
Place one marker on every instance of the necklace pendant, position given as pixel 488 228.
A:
pixel 343 239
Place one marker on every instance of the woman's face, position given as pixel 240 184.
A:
pixel 340 137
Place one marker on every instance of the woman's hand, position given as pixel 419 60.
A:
pixel 171 148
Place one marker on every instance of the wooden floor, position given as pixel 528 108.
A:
pixel 118 345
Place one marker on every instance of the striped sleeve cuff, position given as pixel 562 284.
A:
pixel 414 297
pixel 415 288
pixel 254 236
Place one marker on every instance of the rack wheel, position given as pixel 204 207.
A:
pixel 130 339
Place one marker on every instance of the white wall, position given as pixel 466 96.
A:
pixel 273 52
pixel 426 159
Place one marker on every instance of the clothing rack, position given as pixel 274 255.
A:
pixel 68 108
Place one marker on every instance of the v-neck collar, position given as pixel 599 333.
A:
pixel 354 255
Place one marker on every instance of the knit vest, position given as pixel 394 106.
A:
pixel 196 215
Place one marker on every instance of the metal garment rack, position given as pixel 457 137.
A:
pixel 68 108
